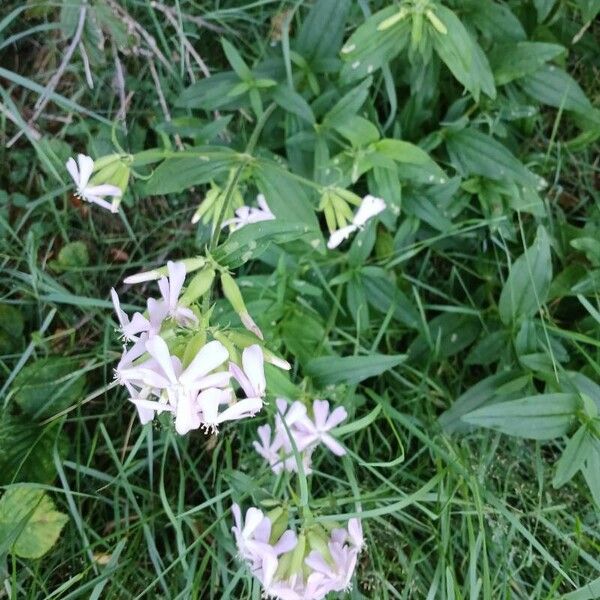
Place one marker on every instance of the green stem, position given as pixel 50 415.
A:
pixel 234 178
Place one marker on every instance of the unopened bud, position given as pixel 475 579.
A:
pixel 435 21
pixel 279 523
pixel 191 265
pixel 234 297
pixel 198 286
pixel 298 555
pixel 391 21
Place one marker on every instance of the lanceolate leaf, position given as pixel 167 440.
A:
pixel 462 55
pixel 350 369
pixel 528 283
pixel 513 61
pixel 477 153
pixel 576 452
pixel 552 86
pixel 368 49
pixel 541 417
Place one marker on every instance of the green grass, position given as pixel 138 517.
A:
pixel 462 516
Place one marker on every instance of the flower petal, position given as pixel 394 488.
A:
pixel 73 170
pixel 159 350
pixel 369 207
pixel 209 357
pixel 104 189
pixel 241 409
pixel 320 411
pixel 338 236
pixel 338 415
pixel 333 445
pixel 176 278
pixel 253 361
pixel 187 417
pixel 86 166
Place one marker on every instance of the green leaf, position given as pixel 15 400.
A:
pixel 576 452
pixel 348 105
pixel 528 282
pixel 26 450
pixel 73 255
pixel 554 87
pixel 487 391
pixel 211 93
pixel 327 370
pixel 288 199
pixel 368 49
pixel 462 54
pixel 11 328
pixel 512 61
pixel 591 470
pixel 358 131
pixel 48 386
pixel 449 333
pixel 190 168
pixel 236 61
pixel 28 517
pixel 476 153
pixel 322 31
pixel 251 241
pixel 541 417
pixel 293 103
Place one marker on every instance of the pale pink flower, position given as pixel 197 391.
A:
pixel 249 214
pixel 369 207
pixel 139 324
pixel 311 432
pixel 80 172
pixel 170 288
pixel 252 540
pixel 251 376
pixel 269 448
pixel 181 386
pixel 209 401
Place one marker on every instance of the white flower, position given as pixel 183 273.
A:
pixel 170 289
pixel 80 172
pixel 209 402
pixel 252 539
pixel 252 375
pixel 311 432
pixel 133 330
pixel 369 207
pixel 249 214
pixel 293 424
pixel 181 386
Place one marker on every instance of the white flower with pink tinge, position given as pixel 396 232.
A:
pixel 251 376
pixel 323 575
pixel 170 288
pixel 180 386
pixel 344 548
pixel 252 540
pixel 133 330
pixel 80 172
pixel 369 207
pixel 293 423
pixel 245 215
pixel 311 432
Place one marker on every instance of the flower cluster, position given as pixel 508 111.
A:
pixel 294 427
pixel 296 567
pixel 194 387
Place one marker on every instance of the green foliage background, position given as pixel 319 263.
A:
pixel 461 330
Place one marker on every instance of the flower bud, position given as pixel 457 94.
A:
pixel 391 21
pixel 191 265
pixel 234 297
pixel 279 522
pixel 318 540
pixel 198 286
pixel 297 554
pixel 193 347
pixel 435 21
